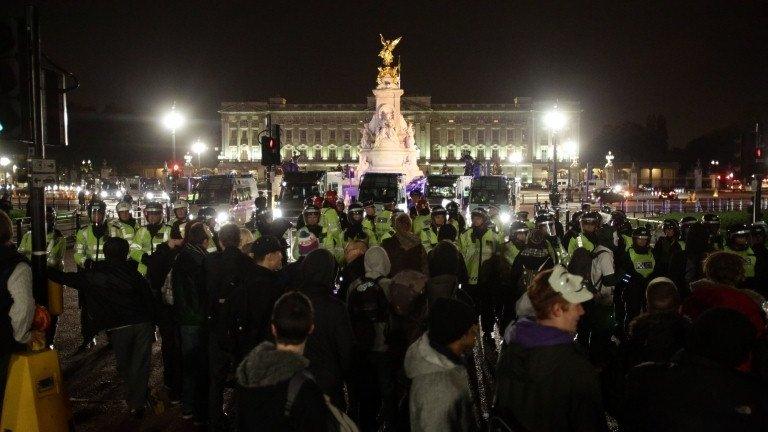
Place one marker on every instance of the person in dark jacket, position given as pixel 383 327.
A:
pixel 158 266
pixel 189 307
pixel 701 390
pixel 268 372
pixel 404 249
pixel 544 380
pixel 354 266
pixel 120 302
pixel 329 347
pixel 225 272
pixel 687 266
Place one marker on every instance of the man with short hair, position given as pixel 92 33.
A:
pixel 544 380
pixel 440 397
pixel 120 302
pixel 275 390
pixel 17 306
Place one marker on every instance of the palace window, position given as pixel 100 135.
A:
pixel 332 154
pixel 465 136
pixel 233 137
pixel 317 136
pixel 480 136
pixel 451 137
pixel 288 135
pixel 347 136
pixel 302 136
pixel 510 136
pixel 332 135
pixel 480 154
pixel 495 135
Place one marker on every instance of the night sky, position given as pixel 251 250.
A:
pixel 702 65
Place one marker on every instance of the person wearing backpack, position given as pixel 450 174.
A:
pixel 368 305
pixel 275 390
pixel 329 347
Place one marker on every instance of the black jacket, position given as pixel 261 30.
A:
pixel 158 265
pixel 189 296
pixel 329 347
pixel 241 300
pixel 117 294
pixel 262 391
pixel 693 394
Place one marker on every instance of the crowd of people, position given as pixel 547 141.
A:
pixel 370 318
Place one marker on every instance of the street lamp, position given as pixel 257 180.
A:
pixel 4 162
pixel 554 121
pixel 199 147
pixel 173 120
pixel 515 158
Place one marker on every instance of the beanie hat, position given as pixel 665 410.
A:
pixel 449 320
pixel 307 241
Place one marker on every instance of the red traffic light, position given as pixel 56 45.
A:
pixel 175 167
pixel 758 153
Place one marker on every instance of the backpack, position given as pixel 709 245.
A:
pixel 368 306
pixel 581 264
pixel 338 420
pixel 409 307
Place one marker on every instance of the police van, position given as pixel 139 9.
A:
pixel 230 195
pixel 382 188
pixel 488 190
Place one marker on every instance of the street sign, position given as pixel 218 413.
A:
pixel 43 171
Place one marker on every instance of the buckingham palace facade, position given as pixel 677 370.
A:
pixel 328 135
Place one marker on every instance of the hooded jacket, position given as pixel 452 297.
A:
pixel 546 383
pixel 263 377
pixel 329 347
pixel 377 268
pixel 440 398
pixel 405 252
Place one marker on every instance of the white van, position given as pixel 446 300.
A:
pixel 232 197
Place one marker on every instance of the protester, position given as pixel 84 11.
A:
pixel 17 306
pixel 404 249
pixel 276 392
pixel 189 306
pixel 329 347
pixel 544 380
pixel 687 266
pixel 701 390
pixel 440 397
pixel 120 302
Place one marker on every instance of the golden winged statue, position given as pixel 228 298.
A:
pixel 387 46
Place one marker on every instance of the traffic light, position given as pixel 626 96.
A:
pixel 758 154
pixel 270 151
pixel 14 76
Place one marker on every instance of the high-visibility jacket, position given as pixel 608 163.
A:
pixel 477 251
pixel 511 251
pixel 419 222
pixel 329 219
pixel 56 244
pixel 428 237
pixel 383 223
pixel 118 228
pixel 749 260
pixel 643 264
pixel 580 241
pixel 88 246
pixel 372 229
pixel 146 243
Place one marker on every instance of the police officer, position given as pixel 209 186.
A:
pixel 89 248
pixel 125 226
pixel 522 216
pixel 685 225
pixel 371 220
pixel 258 223
pixel 355 229
pixel 429 234
pixel 149 236
pixel 56 243
pixel 413 210
pixel 89 241
pixel 496 224
pixel 639 271
pixel 207 215
pixel 478 243
pixel 391 232
pixel 587 238
pixel 181 214
pixel 545 222
pixel 738 243
pixel 573 227
pixel 383 220
pixel 310 219
pixel 618 223
pixel 712 222
pixel 455 217
pixel 422 216
pixel 518 236
pixel 329 215
pixel 667 246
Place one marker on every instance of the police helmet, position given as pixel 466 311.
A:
pixel 479 211
pixel 123 207
pixel 591 217
pixel 439 210
pixel 522 214
pixel 355 207
pixel 757 230
pixel 310 209
pixel 97 206
pixel 641 232
pixel 517 227
pixel 670 224
pixel 368 203
pixel 153 207
pixel 740 230
pixel 452 207
pixel 710 219
pixel 687 221
pixel 180 204
pixel 206 213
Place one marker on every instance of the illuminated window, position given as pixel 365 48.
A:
pixel 317 136
pixel 495 135
pixel 465 136
pixel 332 135
pixel 450 136
pixel 347 136
pixel 480 136
pixel 302 136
